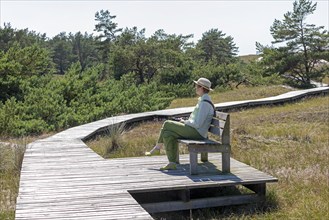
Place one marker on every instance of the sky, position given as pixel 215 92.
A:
pixel 245 20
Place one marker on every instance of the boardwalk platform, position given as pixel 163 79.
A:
pixel 62 178
pixel 72 182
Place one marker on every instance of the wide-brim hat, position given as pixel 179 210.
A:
pixel 205 83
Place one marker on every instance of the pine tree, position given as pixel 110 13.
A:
pixel 302 46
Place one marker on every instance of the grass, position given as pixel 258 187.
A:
pixel 326 80
pixel 110 141
pixel 291 143
pixel 249 58
pixel 288 141
pixel 11 157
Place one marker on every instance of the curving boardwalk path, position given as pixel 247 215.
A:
pixel 62 178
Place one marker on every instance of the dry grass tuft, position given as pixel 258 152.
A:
pixel 110 142
pixel 133 142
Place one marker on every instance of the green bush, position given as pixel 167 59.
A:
pixel 256 74
pixel 8 116
pixel 224 75
pixel 53 103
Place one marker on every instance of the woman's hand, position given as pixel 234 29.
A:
pixel 178 119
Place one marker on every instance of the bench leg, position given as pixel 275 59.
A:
pixel 193 163
pixel 204 156
pixel 226 162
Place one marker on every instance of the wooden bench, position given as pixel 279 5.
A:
pixel 220 126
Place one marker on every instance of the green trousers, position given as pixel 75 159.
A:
pixel 171 131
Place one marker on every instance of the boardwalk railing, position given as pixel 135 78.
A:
pixel 62 178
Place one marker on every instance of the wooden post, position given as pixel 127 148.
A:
pixel 259 188
pixel 185 195
pixel 226 139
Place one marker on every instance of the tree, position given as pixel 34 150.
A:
pixel 123 59
pixel 22 37
pixel 144 57
pixel 84 49
pixel 130 36
pixel 215 47
pixel 62 52
pixel 105 25
pixel 301 48
pixel 7 36
pixel 109 31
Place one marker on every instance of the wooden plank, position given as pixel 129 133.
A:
pixel 221 115
pixel 209 148
pixel 199 203
pixel 216 130
pixel 218 123
pixel 198 142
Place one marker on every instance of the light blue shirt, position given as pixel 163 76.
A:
pixel 201 117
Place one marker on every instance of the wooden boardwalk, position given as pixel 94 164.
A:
pixel 62 178
pixel 69 181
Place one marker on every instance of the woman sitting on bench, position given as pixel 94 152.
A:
pixel 196 127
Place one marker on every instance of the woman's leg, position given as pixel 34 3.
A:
pixel 155 149
pixel 180 129
pixel 170 132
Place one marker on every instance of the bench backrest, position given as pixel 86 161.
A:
pixel 220 126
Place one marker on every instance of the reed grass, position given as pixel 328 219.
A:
pixel 133 142
pixel 111 140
